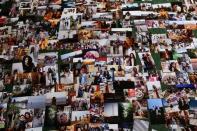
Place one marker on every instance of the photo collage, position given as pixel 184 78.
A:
pixel 98 65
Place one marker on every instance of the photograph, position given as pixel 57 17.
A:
pixel 154 89
pixel 147 61
pixel 169 78
pixel 193 112
pixel 156 110
pixel 3 109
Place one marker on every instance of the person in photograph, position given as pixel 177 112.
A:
pixel 183 105
pixel 67 76
pixel 97 79
pixel 171 80
pixel 132 60
pixel 37 120
pixel 63 119
pixel 8 78
pixel 16 77
pixel 157 112
pixel 166 54
pixel 168 119
pixel 28 120
pixel 2 86
pixel 113 24
pixel 152 77
pixel 118 61
pixel 50 117
pixel 106 73
pixel 33 54
pixel 173 67
pixel 126 61
pixel 22 123
pixel 138 108
pixel 28 64
pixel 186 66
pixel 83 79
pixel 78 67
pixel 147 61
pixel 127 16
pixel 134 72
pixel 113 61
pixel 80 91
pixel 120 71
pixel 155 92
pixel 51 74
pixel 42 78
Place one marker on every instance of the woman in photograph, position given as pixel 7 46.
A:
pixel 183 105
pixel 150 61
pixel 173 67
pixel 134 72
pixel 126 61
pixel 22 123
pixel 28 64
pixel 155 92
pixel 51 114
pixel 132 59
pixel 28 120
